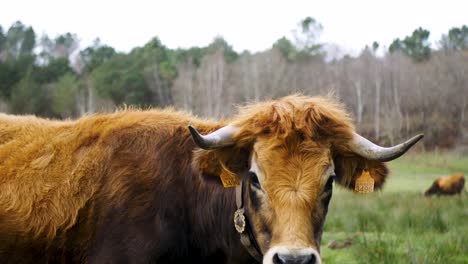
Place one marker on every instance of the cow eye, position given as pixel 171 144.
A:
pixel 254 180
pixel 329 184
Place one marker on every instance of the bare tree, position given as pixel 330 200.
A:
pixel 391 96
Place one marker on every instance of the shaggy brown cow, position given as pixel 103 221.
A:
pixel 447 185
pixel 133 187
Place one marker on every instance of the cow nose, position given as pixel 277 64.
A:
pixel 294 259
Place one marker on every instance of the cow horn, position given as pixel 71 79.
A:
pixel 369 150
pixel 216 139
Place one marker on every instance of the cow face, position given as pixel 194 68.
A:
pixel 290 186
pixel 434 189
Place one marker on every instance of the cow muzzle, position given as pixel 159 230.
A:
pixel 285 255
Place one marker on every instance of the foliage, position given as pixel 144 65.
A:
pixel 287 48
pixel 3 40
pixel 219 43
pixel 306 46
pixel 415 46
pixel 142 77
pixel 96 55
pixel 457 39
pixel 194 55
pixel 26 95
pixel 154 52
pixel 53 70
pixel 65 95
pixel 306 38
pixel 11 72
pixel 120 80
pixel 375 46
pixel 60 47
pixel 20 40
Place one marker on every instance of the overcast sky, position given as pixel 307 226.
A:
pixel 253 25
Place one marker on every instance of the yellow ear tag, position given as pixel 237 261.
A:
pixel 365 183
pixel 228 178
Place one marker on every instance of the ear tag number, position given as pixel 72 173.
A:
pixel 365 183
pixel 228 178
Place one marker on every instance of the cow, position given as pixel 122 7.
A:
pixel 447 185
pixel 162 186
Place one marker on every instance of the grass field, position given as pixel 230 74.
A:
pixel 399 224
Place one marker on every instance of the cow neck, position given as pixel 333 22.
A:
pixel 243 226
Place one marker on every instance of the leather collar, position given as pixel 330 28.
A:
pixel 243 227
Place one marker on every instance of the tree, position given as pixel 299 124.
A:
pixel 61 46
pixel 3 41
pixel 64 96
pixel 66 44
pixel 416 46
pixel 457 39
pixel 26 96
pixel 193 54
pixel 91 58
pixel 52 71
pixel 120 80
pixel 219 43
pixel 307 35
pixel 287 49
pixel 396 46
pixel 16 56
pixel 20 40
pixel 9 76
pixel 96 55
pixel 158 67
pixel 375 46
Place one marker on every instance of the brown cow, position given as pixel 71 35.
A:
pixel 139 187
pixel 447 185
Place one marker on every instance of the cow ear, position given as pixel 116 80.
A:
pixel 211 163
pixel 349 168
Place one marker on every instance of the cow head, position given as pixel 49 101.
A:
pixel 288 153
pixel 434 189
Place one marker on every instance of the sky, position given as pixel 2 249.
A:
pixel 252 25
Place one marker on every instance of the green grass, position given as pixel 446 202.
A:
pixel 399 224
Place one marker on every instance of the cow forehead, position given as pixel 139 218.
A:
pixel 271 153
pixel 294 165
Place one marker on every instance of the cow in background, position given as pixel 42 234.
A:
pixel 447 185
pixel 145 186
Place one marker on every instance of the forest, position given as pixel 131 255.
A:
pixel 410 87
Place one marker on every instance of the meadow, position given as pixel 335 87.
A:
pixel 398 224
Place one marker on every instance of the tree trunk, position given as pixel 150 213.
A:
pixel 90 95
pixel 377 110
pixel 360 107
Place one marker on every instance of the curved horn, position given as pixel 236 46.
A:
pixel 216 139
pixel 369 150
